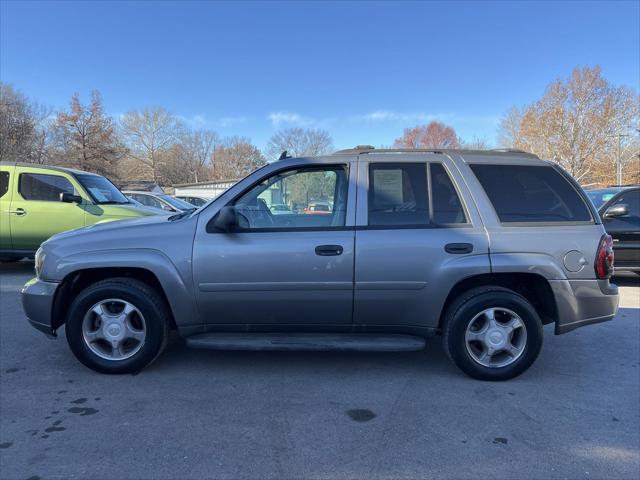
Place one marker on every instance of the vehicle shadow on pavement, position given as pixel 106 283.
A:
pixel 627 280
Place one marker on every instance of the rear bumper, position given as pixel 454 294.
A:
pixel 583 302
pixel 37 303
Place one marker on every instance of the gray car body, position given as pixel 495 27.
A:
pixel 386 279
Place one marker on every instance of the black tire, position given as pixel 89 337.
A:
pixel 145 299
pixel 10 258
pixel 466 307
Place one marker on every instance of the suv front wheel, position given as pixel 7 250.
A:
pixel 119 325
pixel 492 333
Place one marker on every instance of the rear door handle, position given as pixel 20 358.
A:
pixel 458 248
pixel 328 250
pixel 18 211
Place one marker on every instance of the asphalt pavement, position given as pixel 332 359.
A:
pixel 198 414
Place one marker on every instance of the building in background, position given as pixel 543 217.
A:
pixel 206 190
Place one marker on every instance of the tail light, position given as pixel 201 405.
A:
pixel 604 258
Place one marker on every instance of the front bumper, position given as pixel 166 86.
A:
pixel 37 303
pixel 583 302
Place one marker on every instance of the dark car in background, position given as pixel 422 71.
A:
pixel 619 208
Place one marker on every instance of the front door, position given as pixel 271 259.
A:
pixel 285 264
pixel 36 210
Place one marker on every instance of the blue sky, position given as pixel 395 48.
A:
pixel 362 70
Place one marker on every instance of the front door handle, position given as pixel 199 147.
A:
pixel 458 248
pixel 18 211
pixel 328 250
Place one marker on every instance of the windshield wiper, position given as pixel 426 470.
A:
pixel 113 202
pixel 182 214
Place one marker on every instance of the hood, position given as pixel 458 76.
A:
pixel 124 211
pixel 117 225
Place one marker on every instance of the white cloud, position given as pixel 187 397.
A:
pixel 229 121
pixel 286 118
pixel 196 121
pixel 391 116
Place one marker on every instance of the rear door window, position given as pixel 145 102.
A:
pixel 398 194
pixel 531 194
pixel 413 194
pixel 4 183
pixel 44 187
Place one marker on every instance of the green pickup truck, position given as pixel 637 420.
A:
pixel 38 201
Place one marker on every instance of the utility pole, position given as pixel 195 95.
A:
pixel 619 162
pixel 619 157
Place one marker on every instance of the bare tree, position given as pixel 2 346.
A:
pixel 577 123
pixel 235 158
pixel 148 134
pixel 24 127
pixel 196 150
pixel 87 137
pixel 300 142
pixel 476 143
pixel 433 135
pixel 174 166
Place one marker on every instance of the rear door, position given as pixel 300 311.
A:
pixel 417 235
pixel 36 210
pixel 625 230
pixel 6 178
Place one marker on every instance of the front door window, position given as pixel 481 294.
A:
pixel 302 198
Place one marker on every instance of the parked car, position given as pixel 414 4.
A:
pixel 160 201
pixel 195 201
pixel 318 208
pixel 619 208
pixel 480 247
pixel 280 209
pixel 37 201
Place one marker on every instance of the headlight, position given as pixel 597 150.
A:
pixel 40 255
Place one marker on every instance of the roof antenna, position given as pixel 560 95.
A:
pixel 284 155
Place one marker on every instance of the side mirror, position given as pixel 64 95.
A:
pixel 619 210
pixel 226 220
pixel 70 198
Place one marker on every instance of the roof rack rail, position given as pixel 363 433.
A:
pixel 508 150
pixel 362 149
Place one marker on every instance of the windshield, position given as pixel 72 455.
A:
pixel 600 197
pixel 101 189
pixel 177 203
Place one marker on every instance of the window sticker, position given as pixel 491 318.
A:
pixel 388 186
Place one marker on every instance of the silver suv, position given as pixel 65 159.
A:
pixel 481 248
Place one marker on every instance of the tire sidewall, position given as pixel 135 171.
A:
pixel 153 317
pixel 465 314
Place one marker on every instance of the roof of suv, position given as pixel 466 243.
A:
pixel 47 167
pixel 362 149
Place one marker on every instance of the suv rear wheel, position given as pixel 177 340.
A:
pixel 492 333
pixel 118 325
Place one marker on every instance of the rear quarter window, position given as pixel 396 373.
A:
pixel 4 183
pixel 531 194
